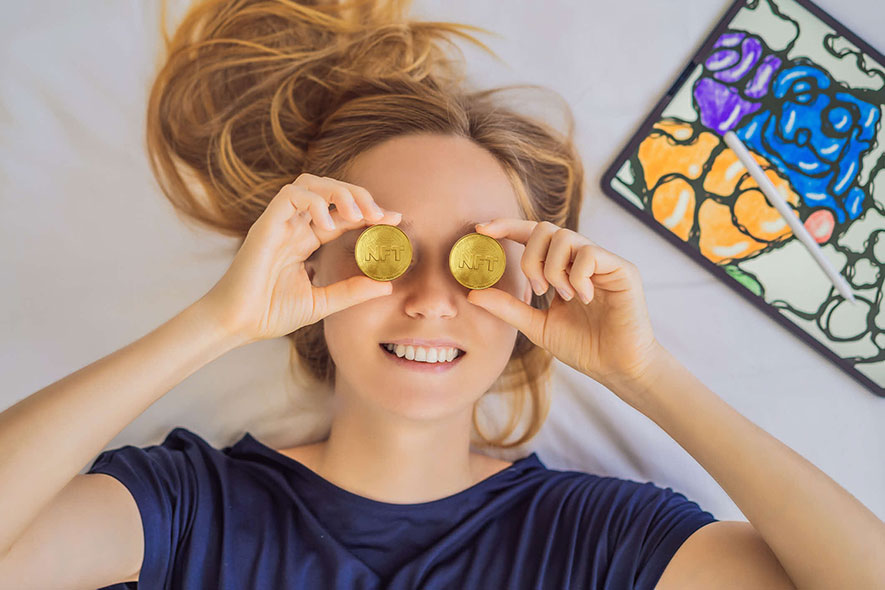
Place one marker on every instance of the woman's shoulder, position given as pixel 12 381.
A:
pixel 181 449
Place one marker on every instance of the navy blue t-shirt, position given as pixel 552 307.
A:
pixel 247 516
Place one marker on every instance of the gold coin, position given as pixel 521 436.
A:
pixel 477 261
pixel 383 252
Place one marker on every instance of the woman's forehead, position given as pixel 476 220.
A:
pixel 436 174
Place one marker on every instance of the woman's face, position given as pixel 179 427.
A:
pixel 443 186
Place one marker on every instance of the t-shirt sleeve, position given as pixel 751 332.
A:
pixel 161 479
pixel 653 524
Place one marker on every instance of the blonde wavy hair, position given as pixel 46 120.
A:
pixel 253 92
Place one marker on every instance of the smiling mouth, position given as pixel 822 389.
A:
pixel 460 353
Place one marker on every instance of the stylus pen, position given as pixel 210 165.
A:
pixel 787 213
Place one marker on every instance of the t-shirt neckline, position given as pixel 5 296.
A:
pixel 518 465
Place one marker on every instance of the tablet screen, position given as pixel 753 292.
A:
pixel 806 96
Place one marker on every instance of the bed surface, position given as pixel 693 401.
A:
pixel 94 257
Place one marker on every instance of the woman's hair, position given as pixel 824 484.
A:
pixel 254 92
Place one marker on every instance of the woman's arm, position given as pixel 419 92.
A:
pixel 46 438
pixel 821 534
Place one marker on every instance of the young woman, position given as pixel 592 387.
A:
pixel 363 110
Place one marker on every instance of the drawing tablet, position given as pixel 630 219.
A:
pixel 806 96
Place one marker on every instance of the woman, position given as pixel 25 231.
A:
pixel 366 106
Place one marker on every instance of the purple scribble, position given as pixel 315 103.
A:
pixel 736 76
pixel 758 86
pixel 729 39
pixel 722 59
pixel 721 106
pixel 751 49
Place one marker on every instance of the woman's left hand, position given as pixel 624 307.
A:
pixel 610 337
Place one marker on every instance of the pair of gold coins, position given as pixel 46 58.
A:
pixel 383 252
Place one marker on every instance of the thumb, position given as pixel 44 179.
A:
pixel 523 317
pixel 343 294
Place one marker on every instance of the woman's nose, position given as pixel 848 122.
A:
pixel 431 272
pixel 429 289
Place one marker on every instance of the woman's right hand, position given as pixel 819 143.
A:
pixel 266 292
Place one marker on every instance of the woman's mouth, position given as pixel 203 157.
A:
pixel 422 366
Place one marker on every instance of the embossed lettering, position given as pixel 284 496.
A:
pixel 381 252
pixel 475 261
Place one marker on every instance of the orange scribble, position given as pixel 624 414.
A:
pixel 720 240
pixel 673 206
pixel 660 154
pixel 730 230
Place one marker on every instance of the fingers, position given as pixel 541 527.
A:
pixel 562 248
pixel 293 203
pixel 536 252
pixel 536 238
pixel 352 203
pixel 518 230
pixel 549 250
pixel 342 226
pixel 363 201
pixel 307 200
pixel 525 318
pixel 563 258
pixel 583 267
pixel 346 293
pixel 303 200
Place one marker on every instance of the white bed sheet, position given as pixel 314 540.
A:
pixel 94 257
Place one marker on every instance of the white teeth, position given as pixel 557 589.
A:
pixel 423 355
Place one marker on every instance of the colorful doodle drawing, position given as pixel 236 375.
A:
pixel 809 107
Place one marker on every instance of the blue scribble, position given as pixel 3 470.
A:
pixel 816 135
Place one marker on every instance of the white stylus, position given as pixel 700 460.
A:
pixel 787 213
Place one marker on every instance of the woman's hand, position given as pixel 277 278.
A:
pixel 267 292
pixel 610 337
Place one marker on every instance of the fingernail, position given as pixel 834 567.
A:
pixel 564 294
pixel 584 298
pixel 377 209
pixel 330 223
pixel 537 288
pixel 356 210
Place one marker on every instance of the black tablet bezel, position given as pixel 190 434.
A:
pixel 644 129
